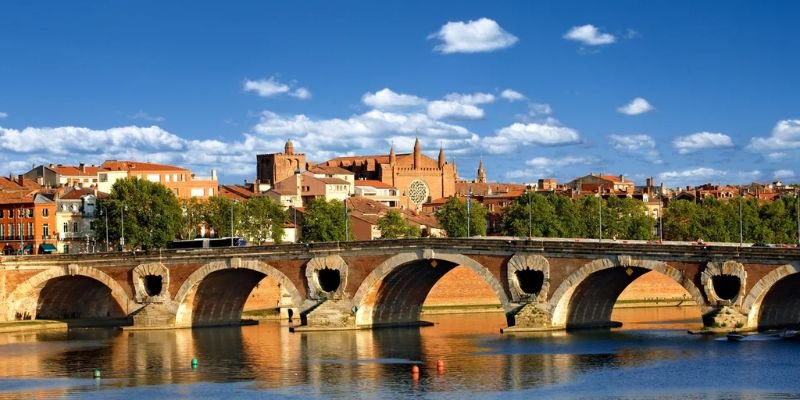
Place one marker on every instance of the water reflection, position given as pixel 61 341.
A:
pixel 267 359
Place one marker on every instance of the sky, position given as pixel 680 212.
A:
pixel 685 92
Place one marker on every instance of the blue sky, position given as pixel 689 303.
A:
pixel 686 92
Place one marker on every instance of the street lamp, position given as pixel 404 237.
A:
pixel 104 213
pixel 600 212
pixel 469 197
pixel 122 226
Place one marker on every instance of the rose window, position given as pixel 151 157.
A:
pixel 418 192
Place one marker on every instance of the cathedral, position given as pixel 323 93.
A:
pixel 418 178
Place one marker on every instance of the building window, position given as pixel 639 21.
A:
pixel 45 212
pixel 65 227
pixel 2 213
pixel 31 233
pixel 103 177
pixel 1 230
pixel 75 227
pixel 210 192
pixel 197 192
pixel 154 177
pixel 45 231
pixel 21 213
pixel 30 213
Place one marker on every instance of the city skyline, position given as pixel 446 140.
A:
pixel 688 94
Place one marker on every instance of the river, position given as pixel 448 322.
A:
pixel 651 357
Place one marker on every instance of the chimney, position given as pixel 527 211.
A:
pixel 21 180
pixel 213 174
pixel 82 167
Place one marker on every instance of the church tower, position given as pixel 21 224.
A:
pixel 417 155
pixel 481 178
pixel 392 156
pixel 288 149
pixel 441 157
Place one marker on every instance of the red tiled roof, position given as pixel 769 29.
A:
pixel 70 170
pixel 336 181
pixel 76 194
pixel 374 183
pixel 116 165
pixel 328 170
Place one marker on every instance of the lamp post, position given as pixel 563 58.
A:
pixel 600 213
pixel 294 215
pixel 530 219
pixel 469 197
pixel 104 212
pixel 741 222
pixel 122 226
pixel 346 236
pixel 232 202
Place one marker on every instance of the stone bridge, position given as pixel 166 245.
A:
pixel 348 285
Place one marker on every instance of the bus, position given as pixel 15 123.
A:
pixel 206 243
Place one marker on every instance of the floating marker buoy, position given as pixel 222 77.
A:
pixel 194 363
pixel 96 374
pixel 415 370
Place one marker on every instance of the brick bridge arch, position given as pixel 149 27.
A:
pixel 773 300
pixel 393 293
pixel 586 298
pixel 24 301
pixel 215 293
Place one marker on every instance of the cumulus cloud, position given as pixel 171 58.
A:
pixel 785 135
pixel 482 35
pixel 589 35
pixel 701 140
pixel 512 95
pixel 272 87
pixel 386 99
pixel 640 145
pixel 441 109
pixel 783 174
pixel 511 137
pixel 692 176
pixel 371 131
pixel 541 167
pixel 471 99
pixel 539 109
pixel 636 106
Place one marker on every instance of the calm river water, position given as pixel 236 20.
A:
pixel 652 356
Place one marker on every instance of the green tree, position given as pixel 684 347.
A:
pixel 193 212
pixel 532 213
pixel 393 226
pixel 452 216
pixel 150 212
pixel 225 216
pixel 323 221
pixel 262 220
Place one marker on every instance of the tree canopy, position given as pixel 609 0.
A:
pixel 393 226
pixel 150 213
pixel 324 221
pixel 452 217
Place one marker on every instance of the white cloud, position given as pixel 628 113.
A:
pixel 783 174
pixel 272 87
pixel 441 109
pixel 511 137
pixel 147 117
pixel 749 175
pixel 701 140
pixel 471 99
pixel 301 93
pixel 642 145
pixel 3 115
pixel 386 99
pixel 372 131
pixel 539 109
pixel 785 135
pixel 483 35
pixel 512 95
pixel 692 176
pixel 589 35
pixel 636 106
pixel 546 167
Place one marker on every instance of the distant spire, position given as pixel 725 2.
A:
pixel 441 156
pixel 289 148
pixel 392 157
pixel 481 178
pixel 417 154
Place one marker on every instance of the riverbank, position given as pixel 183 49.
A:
pixel 32 326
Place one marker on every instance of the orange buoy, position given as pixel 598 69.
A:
pixel 440 366
pixel 415 370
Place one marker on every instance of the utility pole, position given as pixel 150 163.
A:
pixel 122 226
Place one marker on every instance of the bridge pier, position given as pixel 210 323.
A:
pixel 532 317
